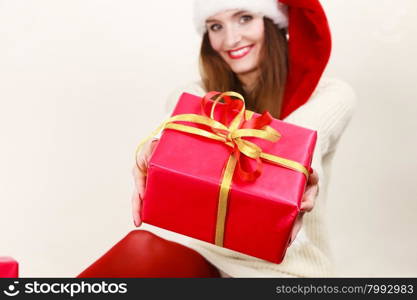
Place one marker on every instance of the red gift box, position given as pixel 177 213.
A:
pixel 9 267
pixel 185 173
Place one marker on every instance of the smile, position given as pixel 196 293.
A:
pixel 239 53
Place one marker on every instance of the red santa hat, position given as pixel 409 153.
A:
pixel 309 39
pixel 203 9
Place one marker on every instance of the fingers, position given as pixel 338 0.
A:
pixel 313 178
pixel 137 195
pixel 309 197
pixel 139 173
pixel 310 194
pixel 140 169
pixel 144 155
pixel 153 145
pixel 140 183
pixel 307 203
pixel 139 178
pixel 297 227
pixel 136 203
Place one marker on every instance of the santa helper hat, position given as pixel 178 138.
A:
pixel 309 42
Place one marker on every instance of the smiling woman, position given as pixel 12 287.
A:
pixel 273 53
pixel 245 52
pixel 229 30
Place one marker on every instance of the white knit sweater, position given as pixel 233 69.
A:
pixel 328 111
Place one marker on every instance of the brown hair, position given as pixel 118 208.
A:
pixel 269 88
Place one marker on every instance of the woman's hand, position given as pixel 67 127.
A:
pixel 139 174
pixel 307 203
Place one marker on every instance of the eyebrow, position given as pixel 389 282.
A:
pixel 234 15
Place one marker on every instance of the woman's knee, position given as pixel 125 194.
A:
pixel 143 254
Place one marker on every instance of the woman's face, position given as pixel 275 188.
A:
pixel 238 37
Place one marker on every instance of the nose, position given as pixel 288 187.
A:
pixel 232 37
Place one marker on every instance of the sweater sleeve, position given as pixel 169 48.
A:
pixel 328 111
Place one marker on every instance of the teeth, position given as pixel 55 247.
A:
pixel 239 52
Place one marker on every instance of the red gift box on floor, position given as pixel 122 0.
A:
pixel 186 172
pixel 8 267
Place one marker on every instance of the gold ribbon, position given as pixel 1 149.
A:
pixel 231 136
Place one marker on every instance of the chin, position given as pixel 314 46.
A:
pixel 243 71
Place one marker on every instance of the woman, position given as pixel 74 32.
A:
pixel 273 53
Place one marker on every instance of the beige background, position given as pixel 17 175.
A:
pixel 82 81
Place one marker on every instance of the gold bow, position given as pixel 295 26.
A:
pixel 232 136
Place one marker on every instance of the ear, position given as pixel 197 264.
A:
pixel 309 48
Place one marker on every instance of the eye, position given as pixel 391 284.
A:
pixel 215 27
pixel 245 18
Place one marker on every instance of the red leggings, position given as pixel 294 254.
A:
pixel 143 254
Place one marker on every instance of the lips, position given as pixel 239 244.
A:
pixel 240 52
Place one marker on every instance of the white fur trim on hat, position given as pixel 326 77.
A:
pixel 203 9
